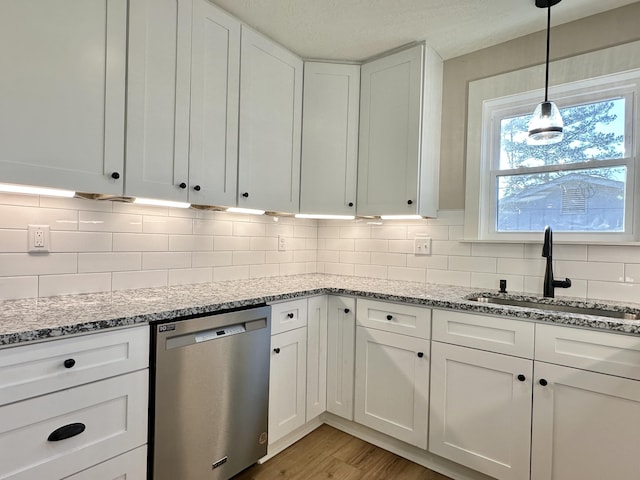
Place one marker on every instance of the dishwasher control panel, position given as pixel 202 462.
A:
pixel 219 332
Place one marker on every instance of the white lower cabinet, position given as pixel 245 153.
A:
pixel 316 356
pixel 128 466
pixel 480 410
pixel 287 382
pixel 586 425
pixel 341 344
pixel 392 384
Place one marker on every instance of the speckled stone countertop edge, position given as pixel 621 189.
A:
pixel 30 324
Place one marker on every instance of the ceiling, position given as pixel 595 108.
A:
pixel 358 29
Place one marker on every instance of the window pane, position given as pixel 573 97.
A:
pixel 590 200
pixel 593 131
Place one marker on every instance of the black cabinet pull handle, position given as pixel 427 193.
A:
pixel 115 175
pixel 290 315
pixel 276 350
pixel 521 377
pixel 389 317
pixel 351 204
pixel 245 194
pixel 543 382
pixel 346 310
pixel 65 432
pixel 197 188
pixel 420 354
pixel 183 185
pixel 409 202
pixel 69 363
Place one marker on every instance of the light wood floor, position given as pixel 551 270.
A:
pixel 330 453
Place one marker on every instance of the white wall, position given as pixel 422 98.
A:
pixel 101 246
pixel 364 248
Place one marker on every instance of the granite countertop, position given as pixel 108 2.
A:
pixel 45 318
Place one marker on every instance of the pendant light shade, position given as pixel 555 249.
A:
pixel 546 125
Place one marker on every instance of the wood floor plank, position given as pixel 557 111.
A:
pixel 328 453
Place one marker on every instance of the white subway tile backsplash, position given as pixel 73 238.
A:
pixel 109 222
pixel 456 233
pixel 248 258
pixel 305 256
pixel 17 264
pixel 355 231
pixel 76 204
pixel 305 231
pixel 109 262
pixel 450 247
pixel 352 257
pixel 279 257
pixel 620 292
pixel 473 264
pixel 275 229
pixel 296 268
pixel 448 277
pixel 190 243
pixel 389 259
pixel 438 262
pixel 338 268
pixel 141 279
pixel 610 253
pixel 407 274
pixel 491 281
pixel 231 243
pixel 365 245
pixel 345 244
pixel 514 250
pixel 18 287
pixel 20 200
pixel 632 273
pixel 519 266
pixel 211 259
pixel 189 276
pixel 13 241
pixel 247 229
pixel 168 225
pixel 611 272
pixel 165 260
pixel 140 242
pixel 212 227
pixel 389 232
pixel 264 243
pixel 20 217
pixel 267 270
pixel 140 209
pixel 221 274
pixel 326 231
pixel 533 285
pixel 401 246
pixel 64 241
pixel 331 256
pixel 51 285
pixel 370 271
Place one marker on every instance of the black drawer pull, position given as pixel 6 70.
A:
pixel 276 350
pixel 65 432
pixel 115 175
pixel 69 363
pixel 420 354
pixel 183 185
pixel 197 188
pixel 346 310
pixel 290 315
pixel 389 317
pixel 522 378
pixel 543 382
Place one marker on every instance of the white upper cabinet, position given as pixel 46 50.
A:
pixel 270 123
pixel 329 138
pixel 182 119
pixel 158 99
pixel 400 105
pixel 63 93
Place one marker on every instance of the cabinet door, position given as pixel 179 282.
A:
pixel 480 411
pixel 287 382
pixel 390 114
pixel 270 121
pixel 128 466
pixel 215 70
pixel 392 384
pixel 158 99
pixel 585 425
pixel 329 138
pixel 316 357
pixel 341 333
pixel 63 93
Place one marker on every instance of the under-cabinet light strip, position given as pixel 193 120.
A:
pixel 249 211
pixel 50 192
pixel 161 203
pixel 324 217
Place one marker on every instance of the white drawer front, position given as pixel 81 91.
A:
pixel 500 335
pixel 114 413
pixel 128 466
pixel 602 352
pixel 395 318
pixel 31 370
pixel 288 315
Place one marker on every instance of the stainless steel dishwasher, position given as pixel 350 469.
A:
pixel 209 395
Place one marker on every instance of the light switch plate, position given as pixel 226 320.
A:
pixel 422 246
pixel 39 238
pixel 282 243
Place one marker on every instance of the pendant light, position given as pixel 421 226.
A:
pixel 546 126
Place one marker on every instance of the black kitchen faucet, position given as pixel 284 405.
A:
pixel 550 284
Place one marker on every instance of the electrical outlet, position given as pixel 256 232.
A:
pixel 282 243
pixel 422 246
pixel 38 238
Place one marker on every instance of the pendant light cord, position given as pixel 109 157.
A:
pixel 546 78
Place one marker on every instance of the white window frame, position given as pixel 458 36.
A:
pixel 517 93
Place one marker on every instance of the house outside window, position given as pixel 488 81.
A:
pixel 583 187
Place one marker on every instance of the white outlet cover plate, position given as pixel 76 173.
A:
pixel 44 238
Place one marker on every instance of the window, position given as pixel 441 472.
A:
pixel 583 187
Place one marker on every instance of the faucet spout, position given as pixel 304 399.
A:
pixel 549 285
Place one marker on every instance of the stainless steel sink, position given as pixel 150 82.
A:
pixel 585 310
